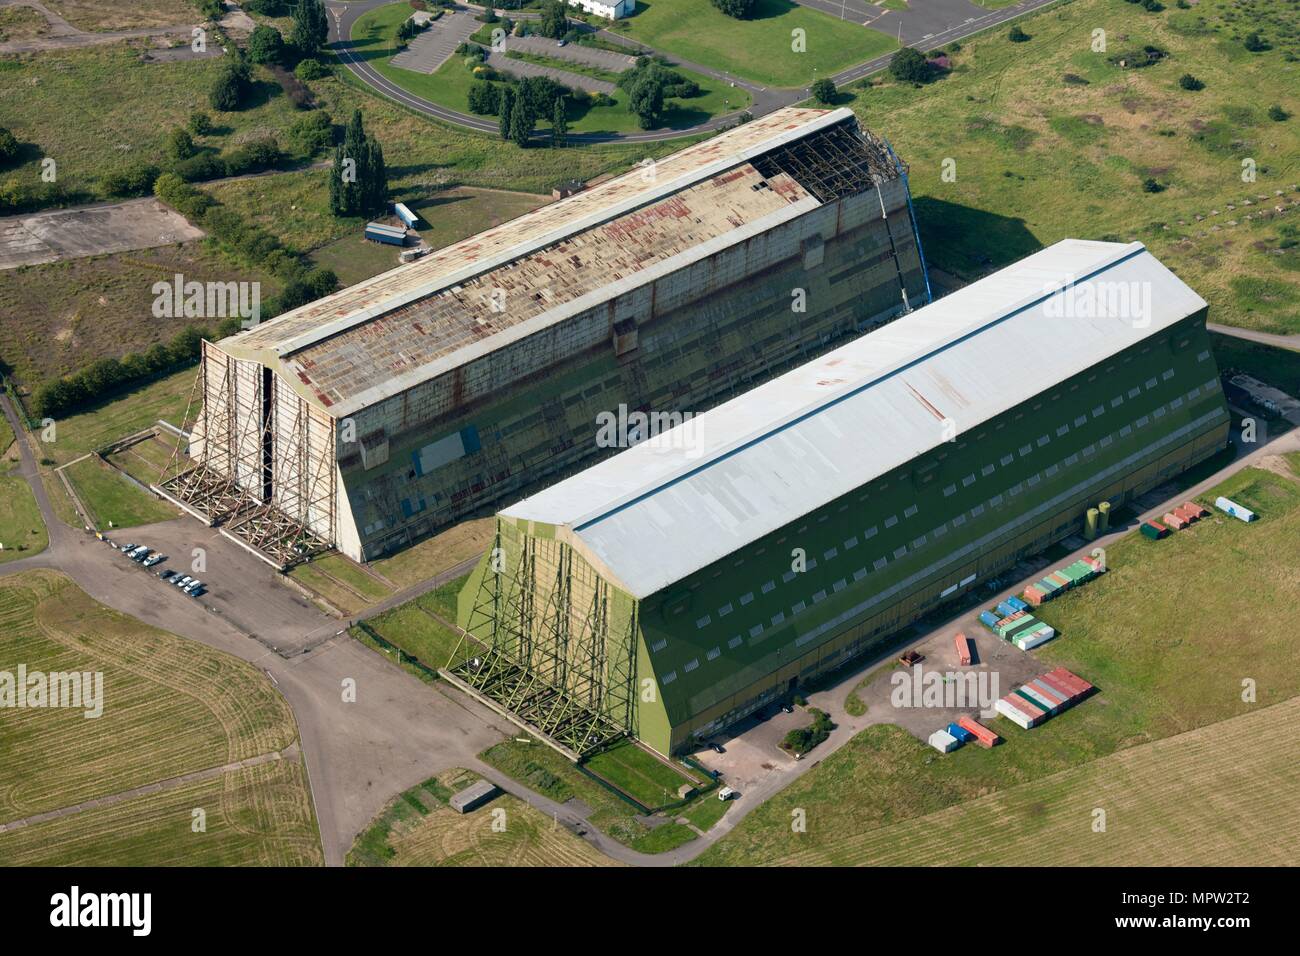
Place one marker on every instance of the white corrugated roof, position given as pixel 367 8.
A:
pixel 659 511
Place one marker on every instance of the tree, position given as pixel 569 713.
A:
pixel 310 69
pixel 554 23
pixel 1254 43
pixel 824 91
pixel 738 9
pixel 266 45
pixel 909 66
pixel 559 124
pixel 483 98
pixel 505 109
pixel 200 123
pixel 1189 82
pixel 521 122
pixel 1017 35
pixel 179 144
pixel 646 100
pixel 311 27
pixel 233 84
pixel 359 179
pixel 1277 114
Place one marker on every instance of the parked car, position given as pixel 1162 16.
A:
pixel 182 582
pixel 167 575
pixel 139 554
pixel 195 592
pixel 153 559
pixel 726 793
pixel 194 585
pixel 128 548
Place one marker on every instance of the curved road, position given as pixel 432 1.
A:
pixel 344 15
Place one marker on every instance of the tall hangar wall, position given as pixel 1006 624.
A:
pixel 901 470
pixel 481 370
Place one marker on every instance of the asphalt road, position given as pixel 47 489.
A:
pixel 932 23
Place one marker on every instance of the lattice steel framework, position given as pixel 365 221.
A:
pixel 553 654
pixel 265 461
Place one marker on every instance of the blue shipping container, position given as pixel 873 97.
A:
pixel 989 619
pixel 961 733
pixel 1018 604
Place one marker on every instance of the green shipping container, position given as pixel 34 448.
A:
pixel 1048 586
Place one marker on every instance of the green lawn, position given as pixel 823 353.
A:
pixel 22 532
pixel 1049 140
pixel 639 775
pixel 759 49
pixel 418 628
pixel 449 85
pixel 111 498
pixel 130 412
pixel 1164 636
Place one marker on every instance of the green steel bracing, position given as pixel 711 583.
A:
pixel 550 655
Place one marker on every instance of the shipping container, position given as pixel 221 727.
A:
pixel 1195 508
pixel 1060 699
pixel 963 649
pixel 961 733
pixel 1034 596
pixel 1027 703
pixel 1174 521
pixel 944 742
pixel 1228 506
pixel 1014 714
pixel 389 235
pixel 989 619
pixel 1006 608
pixel 1059 578
pixel 1153 531
pixel 1034 694
pixel 1018 604
pixel 1060 687
pixel 986 737
pixel 1073 681
pixel 1027 642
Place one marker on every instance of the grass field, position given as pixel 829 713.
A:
pixel 342 583
pixel 66 315
pixel 21 23
pixel 256 816
pixel 112 500
pixel 418 828
pixel 448 548
pixel 759 49
pixel 170 707
pixel 447 216
pixel 374 34
pixel 22 532
pixel 103 15
pixel 1039 158
pixel 1222 795
pixel 422 627
pixel 1165 638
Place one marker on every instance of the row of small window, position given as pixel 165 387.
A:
pixel 938 532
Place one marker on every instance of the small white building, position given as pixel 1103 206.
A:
pixel 609 9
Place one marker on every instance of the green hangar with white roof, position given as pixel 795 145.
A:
pixel 678 586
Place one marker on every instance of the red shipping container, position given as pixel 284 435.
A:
pixel 1060 686
pixel 1060 579
pixel 963 649
pixel 1174 521
pixel 1054 696
pixel 1036 711
pixel 986 737
pixel 1080 685
pixel 1033 595
pixel 1195 508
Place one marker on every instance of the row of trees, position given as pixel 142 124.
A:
pixel 359 181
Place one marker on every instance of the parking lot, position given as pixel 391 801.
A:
pixel 239 587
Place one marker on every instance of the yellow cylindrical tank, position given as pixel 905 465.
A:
pixel 1104 510
pixel 1090 526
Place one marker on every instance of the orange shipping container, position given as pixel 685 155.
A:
pixel 963 649
pixel 986 737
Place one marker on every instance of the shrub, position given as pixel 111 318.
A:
pixel 1017 35
pixel 1277 114
pixel 200 123
pixel 310 69
pixel 232 86
pixel 312 132
pixel 803 739
pixel 8 147
pixel 255 156
pixel 136 179
pixel 266 45
pixel 1254 43
pixel 1152 6
pixel 738 9
pixel 909 66
pixel 1151 186
pixel 1189 82
pixel 554 23
pixel 824 91
pixel 268 8
pixel 200 168
pixel 180 145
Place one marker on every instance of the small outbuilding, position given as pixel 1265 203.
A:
pixel 473 796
